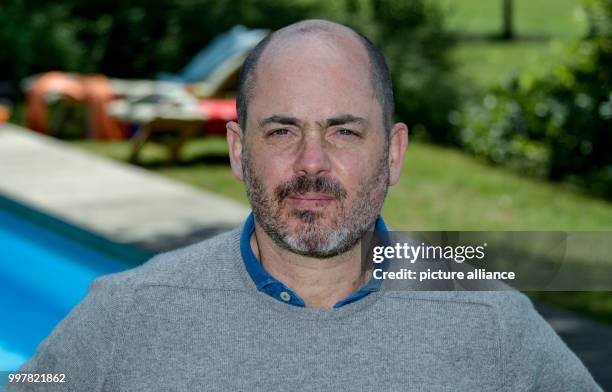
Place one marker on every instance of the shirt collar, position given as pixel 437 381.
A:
pixel 271 286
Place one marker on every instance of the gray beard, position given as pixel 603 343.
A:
pixel 314 239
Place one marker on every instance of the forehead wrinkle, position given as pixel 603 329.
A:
pixel 280 119
pixel 329 122
pixel 341 120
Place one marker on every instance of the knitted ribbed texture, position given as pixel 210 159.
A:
pixel 192 320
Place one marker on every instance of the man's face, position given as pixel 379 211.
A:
pixel 314 157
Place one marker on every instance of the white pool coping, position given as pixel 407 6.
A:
pixel 121 202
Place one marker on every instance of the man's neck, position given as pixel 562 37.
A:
pixel 321 283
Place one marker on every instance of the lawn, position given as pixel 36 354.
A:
pixel 441 189
pixel 544 18
pixel 543 29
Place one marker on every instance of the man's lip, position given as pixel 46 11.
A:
pixel 310 200
pixel 311 196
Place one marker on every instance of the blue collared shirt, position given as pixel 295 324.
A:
pixel 274 288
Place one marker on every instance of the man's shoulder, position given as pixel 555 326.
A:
pixel 208 264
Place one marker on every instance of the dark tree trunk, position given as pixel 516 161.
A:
pixel 508 20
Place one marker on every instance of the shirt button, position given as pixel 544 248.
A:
pixel 285 296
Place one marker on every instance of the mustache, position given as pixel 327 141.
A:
pixel 304 184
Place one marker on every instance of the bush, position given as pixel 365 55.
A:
pixel 35 40
pixel 559 126
pixel 411 34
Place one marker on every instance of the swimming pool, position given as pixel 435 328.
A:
pixel 44 272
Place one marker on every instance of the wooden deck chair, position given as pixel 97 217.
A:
pixel 182 104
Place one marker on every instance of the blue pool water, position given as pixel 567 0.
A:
pixel 42 276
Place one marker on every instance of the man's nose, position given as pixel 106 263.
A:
pixel 312 157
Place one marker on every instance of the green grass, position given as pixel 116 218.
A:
pixel 204 163
pixel 549 18
pixel 543 28
pixel 440 189
pixel 483 64
pixel 443 189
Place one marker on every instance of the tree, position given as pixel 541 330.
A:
pixel 508 19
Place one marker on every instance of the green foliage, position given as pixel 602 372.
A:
pixel 35 39
pixel 134 38
pixel 558 126
pixel 139 39
pixel 416 45
pixel 412 35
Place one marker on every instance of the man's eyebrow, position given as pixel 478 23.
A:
pixel 330 122
pixel 345 119
pixel 276 119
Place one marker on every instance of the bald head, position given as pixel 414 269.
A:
pixel 342 41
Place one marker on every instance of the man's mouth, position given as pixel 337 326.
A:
pixel 310 200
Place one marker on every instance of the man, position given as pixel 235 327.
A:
pixel 285 303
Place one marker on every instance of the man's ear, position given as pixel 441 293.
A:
pixel 398 143
pixel 234 142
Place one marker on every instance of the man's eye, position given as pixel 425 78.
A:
pixel 279 132
pixel 347 132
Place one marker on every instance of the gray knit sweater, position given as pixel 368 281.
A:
pixel 192 320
